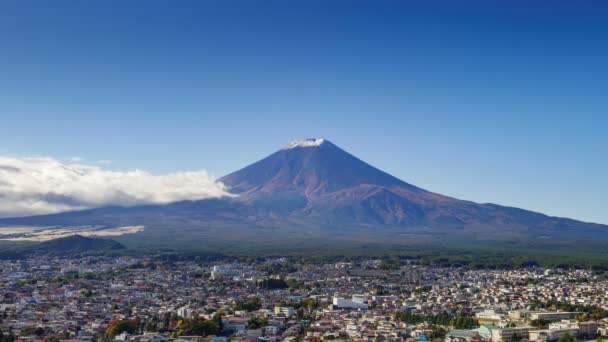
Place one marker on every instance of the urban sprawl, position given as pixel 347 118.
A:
pixel 101 298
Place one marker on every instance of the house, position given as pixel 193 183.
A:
pixel 459 335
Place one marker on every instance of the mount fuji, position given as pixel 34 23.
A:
pixel 312 189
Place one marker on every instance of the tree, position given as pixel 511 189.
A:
pixel 197 327
pixel 273 284
pixel 539 323
pixel 257 322
pixel 567 338
pixel 458 322
pixel 437 333
pixel 10 337
pixel 152 325
pixel 217 318
pixel 251 304
pixel 31 330
pixel 117 327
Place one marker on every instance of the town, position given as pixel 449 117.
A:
pixel 103 298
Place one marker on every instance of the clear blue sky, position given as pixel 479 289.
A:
pixel 491 101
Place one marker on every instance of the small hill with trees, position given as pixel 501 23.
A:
pixel 75 244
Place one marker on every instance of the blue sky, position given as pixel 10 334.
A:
pixel 491 101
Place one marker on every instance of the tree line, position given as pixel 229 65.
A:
pixel 457 322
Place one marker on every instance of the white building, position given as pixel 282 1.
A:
pixel 357 302
pixel 185 311
pixel 585 329
pixel 288 311
pixel 231 271
pixel 550 334
pixel 552 316
pixel 488 316
pixel 507 334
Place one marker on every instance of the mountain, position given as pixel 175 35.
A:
pixel 316 180
pixel 75 244
pixel 312 168
pixel 312 189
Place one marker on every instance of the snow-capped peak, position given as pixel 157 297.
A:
pixel 305 143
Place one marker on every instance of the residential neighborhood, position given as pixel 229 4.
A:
pixel 96 298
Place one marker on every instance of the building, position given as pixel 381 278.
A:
pixel 355 303
pixel 519 315
pixel 270 330
pixel 552 316
pixel 551 334
pixel 458 335
pixel 485 331
pixel 234 323
pixel 507 334
pixel 185 311
pixel 288 311
pixel 584 329
pixel 230 271
pixel 488 316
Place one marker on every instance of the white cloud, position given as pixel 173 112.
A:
pixel 30 186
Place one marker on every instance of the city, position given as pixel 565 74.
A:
pixel 96 298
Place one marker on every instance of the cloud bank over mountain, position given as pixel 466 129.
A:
pixel 44 185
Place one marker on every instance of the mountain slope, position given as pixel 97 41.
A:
pixel 296 179
pixel 315 180
pixel 311 167
pixel 313 189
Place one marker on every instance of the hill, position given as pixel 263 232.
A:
pixel 75 244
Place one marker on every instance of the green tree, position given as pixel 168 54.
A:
pixel 567 338
pixel 117 327
pixel 437 333
pixel 257 322
pixel 31 330
pixel 250 304
pixel 197 327
pixel 217 318
pixel 539 323
pixel 10 337
pixel 273 284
